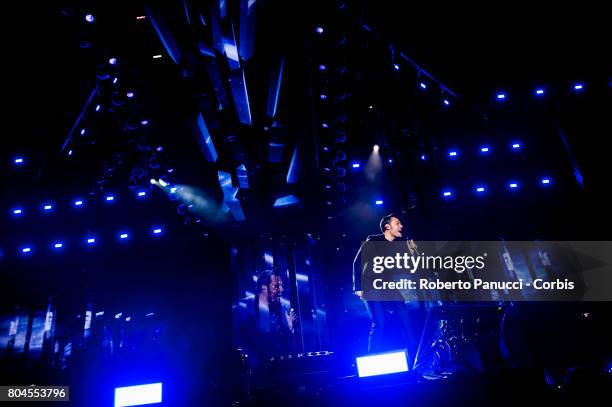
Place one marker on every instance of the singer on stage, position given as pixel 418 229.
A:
pixel 391 228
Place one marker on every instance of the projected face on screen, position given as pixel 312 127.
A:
pixel 276 288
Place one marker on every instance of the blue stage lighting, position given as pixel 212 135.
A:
pixel 83 132
pixel 356 165
pixel 545 181
pixel 379 202
pixel 501 96
pixel 47 207
pixel 323 96
pixel 58 245
pixel 69 153
pixel 91 240
pixel 481 189
pixel 446 102
pixel 516 146
pixel 423 157
pixel 129 95
pixel 17 211
pixel 123 236
pixel 447 194
pixel 115 80
pixel 423 85
pixel 112 61
pixel 539 91
pixel 513 185
pixel 78 203
pixel 173 190
pixel 142 194
pixel 98 107
pixel 90 18
pixel 18 161
pixel 382 363
pixel 26 249
pixel 110 198
pixel 319 30
pixel 578 87
pixel 396 67
pixel 322 67
pixel 157 231
pixel 453 154
pixel 138 395
pixel 484 149
pixel 286 200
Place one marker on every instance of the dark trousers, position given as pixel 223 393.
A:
pixel 379 311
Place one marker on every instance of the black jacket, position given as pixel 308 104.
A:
pixel 357 269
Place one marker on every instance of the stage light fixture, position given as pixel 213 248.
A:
pixel 396 67
pixel 513 185
pixel 423 85
pixel 484 149
pixel 110 198
pixel 447 194
pixel 129 95
pixel 501 96
pixel 481 189
pixel 516 146
pixel 453 154
pixel 112 61
pixel 138 395
pixel 539 92
pixel 90 18
pixel 376 148
pixel 322 67
pixel 58 245
pixel 323 96
pixel 18 161
pixel 545 181
pixel 379 202
pixel 26 249
pixel 446 102
pixel 78 202
pixel 47 207
pixel 142 194
pixel 423 157
pixel 18 211
pixel 157 231
pixel 382 363
pixel 91 240
pixel 98 107
pixel 578 87
pixel 123 236
pixel 144 122
pixel 319 30
pixel 355 165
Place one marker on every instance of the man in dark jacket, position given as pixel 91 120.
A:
pixel 391 228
